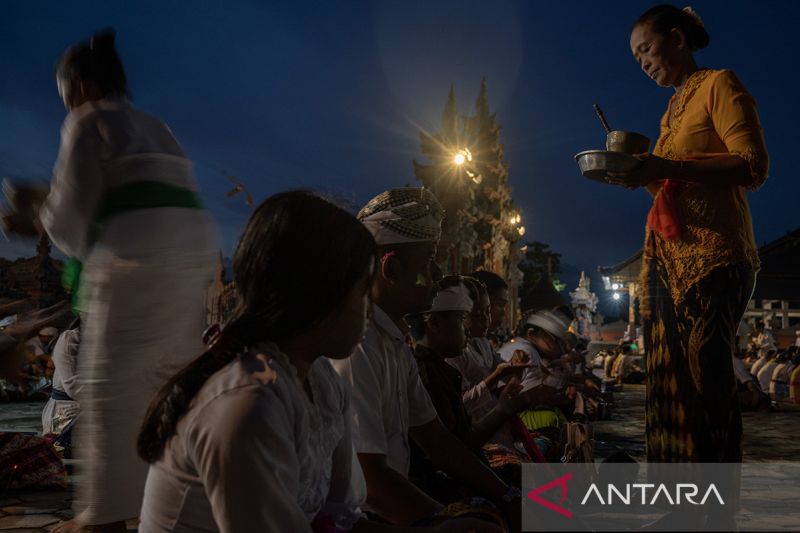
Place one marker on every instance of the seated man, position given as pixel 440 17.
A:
pixel 608 364
pixel 481 368
pixel 625 369
pixel 764 375
pixel 794 379
pixel 779 383
pixel 442 334
pixel 389 402
pixel 39 348
pixel 541 344
pixel 62 409
pixel 750 396
pixel 497 289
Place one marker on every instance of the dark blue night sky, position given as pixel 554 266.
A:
pixel 330 95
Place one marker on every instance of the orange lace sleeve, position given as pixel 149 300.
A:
pixel 733 111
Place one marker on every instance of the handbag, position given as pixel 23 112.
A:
pixel 579 443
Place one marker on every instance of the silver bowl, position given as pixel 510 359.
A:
pixel 596 164
pixel 627 141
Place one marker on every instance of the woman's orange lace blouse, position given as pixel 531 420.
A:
pixel 713 115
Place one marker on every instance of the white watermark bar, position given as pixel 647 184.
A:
pixel 661 497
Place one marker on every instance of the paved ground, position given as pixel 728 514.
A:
pixel 773 436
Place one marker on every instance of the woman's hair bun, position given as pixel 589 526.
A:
pixel 665 17
pixel 103 40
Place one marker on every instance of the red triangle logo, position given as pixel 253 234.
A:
pixel 562 482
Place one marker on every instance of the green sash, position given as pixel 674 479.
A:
pixel 130 197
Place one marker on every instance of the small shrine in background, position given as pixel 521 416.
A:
pixel 584 303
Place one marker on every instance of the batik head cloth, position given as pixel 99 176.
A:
pixel 407 214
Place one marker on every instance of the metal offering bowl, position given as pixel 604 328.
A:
pixel 628 142
pixel 596 164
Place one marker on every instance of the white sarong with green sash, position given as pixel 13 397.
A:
pixel 147 262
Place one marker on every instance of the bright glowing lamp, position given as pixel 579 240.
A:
pixel 616 296
pixel 459 159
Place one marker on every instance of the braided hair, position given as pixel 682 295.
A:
pixel 297 260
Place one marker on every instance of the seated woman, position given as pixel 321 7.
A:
pixel 254 435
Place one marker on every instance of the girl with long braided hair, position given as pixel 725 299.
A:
pixel 254 435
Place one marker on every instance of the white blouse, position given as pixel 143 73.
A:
pixel 105 144
pixel 254 453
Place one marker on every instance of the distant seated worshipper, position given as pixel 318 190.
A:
pixel 794 380
pixel 625 369
pixel 62 409
pixel 390 405
pixel 443 334
pixel 744 334
pixel 765 353
pixel 541 344
pixel 498 300
pixel 751 398
pixel 779 382
pixel 480 366
pixel 39 353
pixel 608 364
pixel 41 344
pixel 255 434
pixel 743 375
pixel 765 371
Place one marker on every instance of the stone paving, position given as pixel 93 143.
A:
pixel 768 437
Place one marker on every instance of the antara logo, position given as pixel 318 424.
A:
pixel 562 482
pixel 688 490
pixel 682 492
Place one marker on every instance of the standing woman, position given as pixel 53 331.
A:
pixel 700 257
pixel 124 203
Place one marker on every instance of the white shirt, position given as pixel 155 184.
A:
pixel 57 414
pixel 740 371
pixel 506 351
pixel 756 366
pixel 65 360
pixel 540 372
pixel 388 396
pixel 780 376
pixel 477 362
pixel 765 375
pixel 255 454
pixel 743 332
